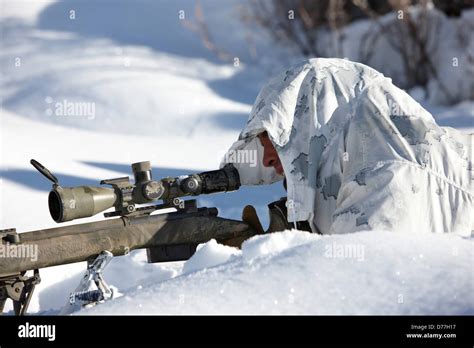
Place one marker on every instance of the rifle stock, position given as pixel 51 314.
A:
pixel 82 242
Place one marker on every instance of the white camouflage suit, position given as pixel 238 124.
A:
pixel 359 153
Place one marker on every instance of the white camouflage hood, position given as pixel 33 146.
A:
pixel 358 153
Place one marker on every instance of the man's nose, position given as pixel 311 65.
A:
pixel 269 158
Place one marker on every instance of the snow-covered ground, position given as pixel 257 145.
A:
pixel 88 96
pixel 296 272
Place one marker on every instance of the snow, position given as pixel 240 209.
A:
pixel 166 99
pixel 450 45
pixel 262 245
pixel 298 273
pixel 208 255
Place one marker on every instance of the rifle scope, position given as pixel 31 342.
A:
pixel 70 203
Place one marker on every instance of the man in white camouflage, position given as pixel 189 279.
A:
pixel 358 153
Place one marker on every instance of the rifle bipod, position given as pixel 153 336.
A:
pixel 19 288
pixel 85 295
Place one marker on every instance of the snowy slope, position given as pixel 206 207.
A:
pixel 168 100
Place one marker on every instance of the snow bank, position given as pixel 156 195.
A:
pixel 111 77
pixel 263 245
pixel 208 255
pixel 300 273
pixel 449 44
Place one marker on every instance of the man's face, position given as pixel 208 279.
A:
pixel 270 155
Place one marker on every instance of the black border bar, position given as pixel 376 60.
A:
pixel 291 330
